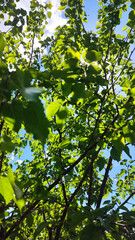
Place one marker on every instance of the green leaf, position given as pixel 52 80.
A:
pixel 18 192
pixel 17 80
pixel 11 177
pixel 132 92
pixel 7 146
pixel 60 122
pixel 101 163
pixel 92 232
pixel 29 220
pixel 115 154
pixel 20 203
pixel 18 198
pixel 41 193
pixel 14 114
pixel 66 88
pixel 92 56
pixel 93 69
pixel 62 113
pixel 132 5
pixel 119 143
pixel 10 122
pixel 77 218
pixel 128 135
pixel 32 93
pixel 64 144
pixel 2 44
pixel 101 81
pixel 6 189
pixel 61 8
pixel 73 54
pixel 35 121
pixel 39 229
pixel 127 151
pixel 132 15
pixel 71 63
pixel 23 12
pixel 78 90
pixel 83 141
pixel 49 14
pixel 52 109
pixel 124 28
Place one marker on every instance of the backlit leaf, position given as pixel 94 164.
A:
pixel 2 44
pixel 61 8
pixel 6 189
pixel 52 109
pixel 49 14
pixel 35 120
pixel 64 144
pixel 32 93
pixel 92 56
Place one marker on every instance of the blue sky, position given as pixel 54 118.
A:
pixel 91 8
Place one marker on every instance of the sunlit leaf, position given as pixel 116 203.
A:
pixel 6 189
pixel 20 203
pixel 11 177
pixel 52 109
pixel 49 14
pixel 2 44
pixel 64 144
pixel 61 8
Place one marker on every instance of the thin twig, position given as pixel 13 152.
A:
pixel 122 70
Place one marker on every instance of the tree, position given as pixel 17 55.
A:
pixel 86 82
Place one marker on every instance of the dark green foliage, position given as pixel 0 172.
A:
pixel 74 109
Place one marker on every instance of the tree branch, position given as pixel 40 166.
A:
pixel 69 202
pixel 98 117
pixel 1 161
pixel 131 195
pixel 104 182
pixel 74 194
pixel 90 185
pixel 16 224
pixel 63 179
